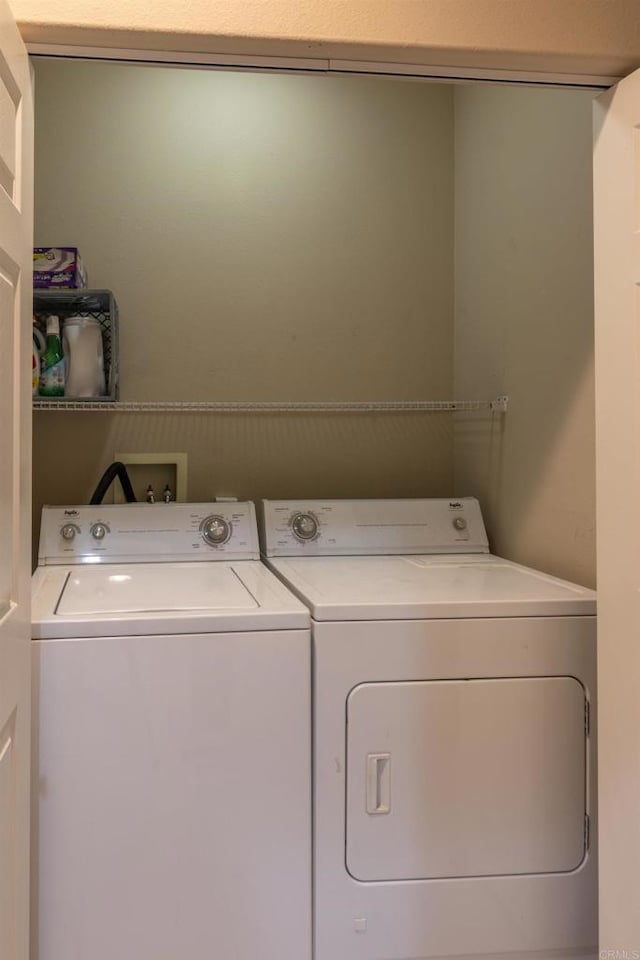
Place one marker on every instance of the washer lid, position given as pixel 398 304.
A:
pixel 109 600
pixel 152 588
pixel 419 587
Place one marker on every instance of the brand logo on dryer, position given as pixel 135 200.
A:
pixel 455 505
pixel 71 513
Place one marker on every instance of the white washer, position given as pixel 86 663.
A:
pixel 172 708
pixel 454 735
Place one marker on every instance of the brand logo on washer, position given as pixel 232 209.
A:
pixel 455 505
pixel 71 513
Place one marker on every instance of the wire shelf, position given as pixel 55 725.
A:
pixel 499 405
pixel 97 305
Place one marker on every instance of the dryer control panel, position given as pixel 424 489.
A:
pixel 145 533
pixel 371 527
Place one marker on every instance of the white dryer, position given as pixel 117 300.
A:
pixel 172 715
pixel 454 735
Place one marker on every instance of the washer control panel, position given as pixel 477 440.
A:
pixel 371 527
pixel 142 532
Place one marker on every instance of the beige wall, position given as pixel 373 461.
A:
pixel 267 237
pixel 590 36
pixel 524 321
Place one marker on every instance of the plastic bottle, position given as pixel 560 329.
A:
pixel 35 375
pixel 39 346
pixel 52 362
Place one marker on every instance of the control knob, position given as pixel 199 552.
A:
pixel 69 531
pixel 304 526
pixel 460 523
pixel 215 531
pixel 98 531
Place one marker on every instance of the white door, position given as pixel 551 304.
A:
pixel 16 216
pixel 617 315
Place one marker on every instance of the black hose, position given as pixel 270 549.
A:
pixel 115 469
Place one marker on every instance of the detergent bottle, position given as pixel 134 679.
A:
pixel 52 362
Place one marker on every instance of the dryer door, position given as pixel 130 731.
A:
pixel 465 778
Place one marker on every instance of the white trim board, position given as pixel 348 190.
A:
pixel 221 61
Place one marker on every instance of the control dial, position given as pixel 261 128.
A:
pixel 69 531
pixel 99 531
pixel 304 526
pixel 460 523
pixel 216 531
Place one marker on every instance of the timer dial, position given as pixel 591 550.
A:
pixel 460 523
pixel 69 531
pixel 304 526
pixel 98 531
pixel 216 531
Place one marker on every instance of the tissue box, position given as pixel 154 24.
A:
pixel 58 267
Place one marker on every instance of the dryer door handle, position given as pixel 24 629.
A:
pixel 378 783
